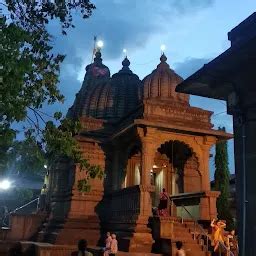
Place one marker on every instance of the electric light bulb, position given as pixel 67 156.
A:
pixel 100 43
pixel 163 47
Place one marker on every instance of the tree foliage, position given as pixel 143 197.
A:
pixel 221 177
pixel 30 76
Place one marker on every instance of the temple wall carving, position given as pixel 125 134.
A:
pixel 192 177
pixel 178 114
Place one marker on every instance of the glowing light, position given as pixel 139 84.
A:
pixel 163 47
pixel 154 166
pixel 124 51
pixel 5 184
pixel 100 44
pixel 151 171
pixel 45 166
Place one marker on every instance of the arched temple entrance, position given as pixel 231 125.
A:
pixel 175 168
pixel 132 175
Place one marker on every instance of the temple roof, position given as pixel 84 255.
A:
pixel 107 98
pixel 127 90
pixel 93 97
pixel 161 84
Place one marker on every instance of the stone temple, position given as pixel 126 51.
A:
pixel 145 137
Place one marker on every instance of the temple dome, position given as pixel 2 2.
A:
pixel 161 84
pixel 107 98
pixel 94 98
pixel 127 91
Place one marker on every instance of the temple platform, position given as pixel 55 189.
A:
pixel 47 249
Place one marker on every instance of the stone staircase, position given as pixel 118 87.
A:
pixel 172 229
pixel 190 236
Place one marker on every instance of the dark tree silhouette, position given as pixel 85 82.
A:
pixel 221 177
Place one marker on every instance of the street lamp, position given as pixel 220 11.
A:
pixel 5 184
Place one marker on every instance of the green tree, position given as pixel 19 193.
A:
pixel 29 77
pixel 221 177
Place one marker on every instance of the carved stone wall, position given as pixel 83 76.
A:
pixel 180 115
pixel 192 177
pixel 84 203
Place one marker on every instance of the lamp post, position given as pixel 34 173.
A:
pixel 5 184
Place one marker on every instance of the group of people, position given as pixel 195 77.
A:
pixel 110 249
pixel 111 243
pixel 223 240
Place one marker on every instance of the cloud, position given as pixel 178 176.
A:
pixel 189 66
pixel 121 24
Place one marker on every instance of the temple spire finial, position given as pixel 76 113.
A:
pixel 126 62
pixel 163 58
pixel 125 68
pixel 96 56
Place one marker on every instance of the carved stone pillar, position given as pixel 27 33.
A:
pixel 208 209
pixel 192 178
pixel 148 154
pixel 204 162
pixel 115 171
pixel 147 162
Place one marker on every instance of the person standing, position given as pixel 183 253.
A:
pixel 162 208
pixel 113 246
pixel 42 198
pixel 218 233
pixel 233 243
pixel 108 244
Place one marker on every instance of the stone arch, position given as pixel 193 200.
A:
pixel 192 142
pixel 183 161
pixel 132 170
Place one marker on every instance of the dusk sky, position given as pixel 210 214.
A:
pixel 194 32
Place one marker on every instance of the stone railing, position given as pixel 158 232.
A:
pixel 22 227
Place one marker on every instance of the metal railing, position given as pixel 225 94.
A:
pixel 25 205
pixel 229 253
pixel 3 222
pixel 196 224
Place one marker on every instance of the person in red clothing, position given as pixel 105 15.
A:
pixel 163 205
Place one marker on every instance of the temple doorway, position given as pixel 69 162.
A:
pixel 175 169
pixel 132 171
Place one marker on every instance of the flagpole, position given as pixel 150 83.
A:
pixel 94 47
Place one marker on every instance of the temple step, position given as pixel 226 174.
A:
pixel 166 231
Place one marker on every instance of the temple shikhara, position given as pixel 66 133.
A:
pixel 145 137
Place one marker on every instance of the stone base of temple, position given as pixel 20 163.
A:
pixel 46 249
pixel 133 236
pixel 71 231
pixel 76 229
